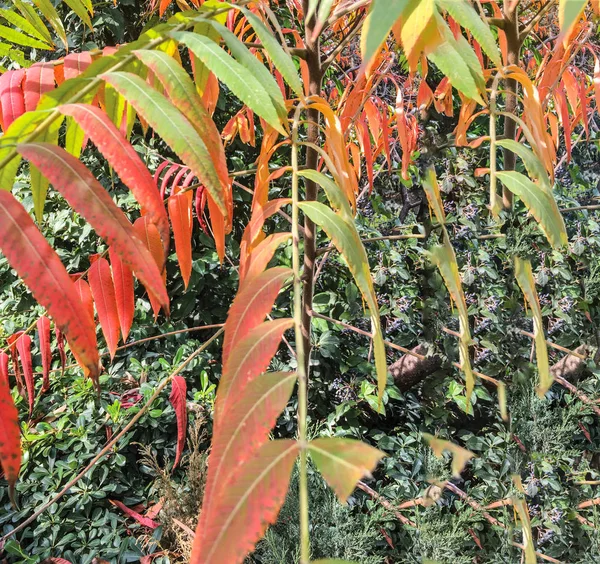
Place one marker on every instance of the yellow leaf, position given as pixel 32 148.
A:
pixel 460 455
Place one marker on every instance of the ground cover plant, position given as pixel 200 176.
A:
pixel 364 327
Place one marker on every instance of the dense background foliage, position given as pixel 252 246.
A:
pixel 552 443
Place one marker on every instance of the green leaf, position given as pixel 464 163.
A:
pixel 34 19
pixel 345 237
pixel 343 462
pixel 569 11
pixel 172 126
pixel 324 10
pixel 432 191
pixel 467 17
pixel 524 277
pixel 533 165
pixel 336 197
pixel 540 203
pixel 24 25
pixel 81 10
pixel 382 16
pixel 49 12
pixel 239 79
pixel 19 38
pixel 460 455
pixel 456 62
pixel 280 58
pixel 39 183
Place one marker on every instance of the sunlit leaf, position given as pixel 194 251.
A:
pixel 460 455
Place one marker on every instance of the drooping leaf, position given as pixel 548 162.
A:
pixel 467 17
pixel 238 78
pixel 251 357
pixel 85 295
pixel 534 166
pixel 123 158
pixel 250 502
pixel 34 20
pixel 123 281
pixel 251 305
pixel 432 191
pixel 79 7
pixel 343 462
pixel 11 97
pixel 43 327
pixel 60 345
pixel 10 438
pixel 144 521
pixel 382 17
pixel 540 203
pixel 74 181
pixel 523 512
pixel 15 36
pixel 345 237
pixel 178 401
pixel 24 350
pixel 24 25
pixel 103 291
pixel 148 233
pixel 460 455
pixel 280 58
pixel 41 270
pixel 172 126
pixel 524 276
pixel 180 213
pixel 50 14
pixel 14 357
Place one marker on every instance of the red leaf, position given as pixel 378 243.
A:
pixel 217 222
pixel 11 96
pixel 3 368
pixel 76 63
pixel 251 357
pixel 250 502
pixel 60 345
pixel 41 270
pixel 178 401
pixel 75 182
pixel 123 158
pixel 12 344
pixel 60 561
pixel 597 82
pixel 135 515
pixel 251 306
pixel 10 438
pixel 123 280
pixel 85 295
pixel 180 213
pixel 43 327
pixel 39 79
pixel 148 233
pixel 103 291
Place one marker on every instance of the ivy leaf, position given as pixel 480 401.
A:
pixel 178 401
pixel 343 462
pixel 460 455
pixel 524 276
pixel 540 203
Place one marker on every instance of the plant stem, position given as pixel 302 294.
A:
pixel 301 353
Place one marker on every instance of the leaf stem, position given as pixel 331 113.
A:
pixel 300 352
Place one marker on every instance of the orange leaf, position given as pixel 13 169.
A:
pixel 10 438
pixel 251 306
pixel 41 270
pixel 103 291
pixel 178 401
pixel 261 256
pixel 123 281
pixel 43 327
pixel 85 295
pixel 250 502
pixel 180 213
pixel 75 182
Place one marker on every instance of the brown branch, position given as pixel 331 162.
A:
pixel 589 503
pixel 109 446
pixel 404 520
pixel 533 22
pixel 573 389
pixel 356 26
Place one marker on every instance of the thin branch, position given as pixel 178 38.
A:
pixel 109 446
pixel 533 22
pixel 583 397
pixel 404 520
pixel 356 26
